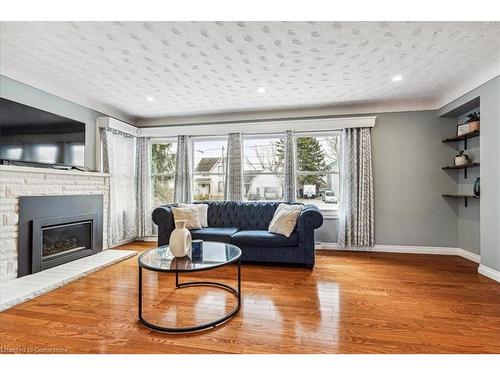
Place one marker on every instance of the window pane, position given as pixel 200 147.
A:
pixel 209 187
pixel 264 155
pixel 321 190
pixel 209 169
pixel 258 187
pixel 318 153
pixel 162 173
pixel 263 168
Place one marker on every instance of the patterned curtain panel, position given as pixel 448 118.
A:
pixel 290 182
pixel 356 222
pixel 183 166
pixel 143 187
pixel 234 169
pixel 116 146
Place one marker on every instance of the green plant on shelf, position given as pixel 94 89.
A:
pixel 472 117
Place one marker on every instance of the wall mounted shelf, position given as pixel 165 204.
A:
pixel 465 196
pixel 464 167
pixel 463 137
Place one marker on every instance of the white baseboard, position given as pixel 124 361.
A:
pixel 405 249
pixel 469 255
pixel 489 272
pixel 148 239
pixel 431 250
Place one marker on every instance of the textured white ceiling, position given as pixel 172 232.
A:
pixel 207 67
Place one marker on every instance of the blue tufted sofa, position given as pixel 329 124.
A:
pixel 245 224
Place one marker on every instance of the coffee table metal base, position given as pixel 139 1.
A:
pixel 203 326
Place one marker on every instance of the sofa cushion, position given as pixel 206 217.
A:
pixel 213 234
pixel 263 238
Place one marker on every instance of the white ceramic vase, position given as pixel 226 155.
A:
pixel 461 160
pixel 180 239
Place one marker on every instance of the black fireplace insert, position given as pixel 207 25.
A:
pixel 57 229
pixel 61 240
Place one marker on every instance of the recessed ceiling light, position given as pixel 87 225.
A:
pixel 261 90
pixel 150 99
pixel 397 78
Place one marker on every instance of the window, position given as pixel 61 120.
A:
pixel 263 168
pixel 163 155
pixel 209 168
pixel 318 169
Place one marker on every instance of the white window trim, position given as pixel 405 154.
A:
pixel 163 140
pixel 330 214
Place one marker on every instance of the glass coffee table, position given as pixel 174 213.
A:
pixel 213 255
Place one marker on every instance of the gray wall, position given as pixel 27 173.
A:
pixel 19 92
pixel 489 95
pixel 407 158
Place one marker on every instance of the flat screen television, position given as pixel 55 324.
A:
pixel 30 136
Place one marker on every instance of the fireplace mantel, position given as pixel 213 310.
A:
pixel 15 168
pixel 18 181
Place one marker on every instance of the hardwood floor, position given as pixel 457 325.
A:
pixel 351 302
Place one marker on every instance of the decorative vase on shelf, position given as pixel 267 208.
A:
pixel 473 126
pixel 180 239
pixel 461 159
pixel 476 187
pixel 473 121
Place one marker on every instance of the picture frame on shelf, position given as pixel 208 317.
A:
pixel 463 129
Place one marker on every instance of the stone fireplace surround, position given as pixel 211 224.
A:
pixel 27 181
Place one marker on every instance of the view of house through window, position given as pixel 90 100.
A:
pixel 209 168
pixel 317 163
pixel 163 156
pixel 318 170
pixel 263 168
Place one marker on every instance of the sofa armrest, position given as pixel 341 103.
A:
pixel 164 218
pixel 310 216
pixel 309 219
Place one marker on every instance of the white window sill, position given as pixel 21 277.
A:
pixel 330 214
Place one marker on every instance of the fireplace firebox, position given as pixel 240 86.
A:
pixel 57 229
pixel 61 240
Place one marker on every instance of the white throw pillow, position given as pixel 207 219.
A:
pixel 285 218
pixel 190 214
pixel 284 222
pixel 202 211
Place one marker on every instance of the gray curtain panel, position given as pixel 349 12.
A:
pixel 143 186
pixel 234 169
pixel 183 166
pixel 290 181
pixel 357 214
